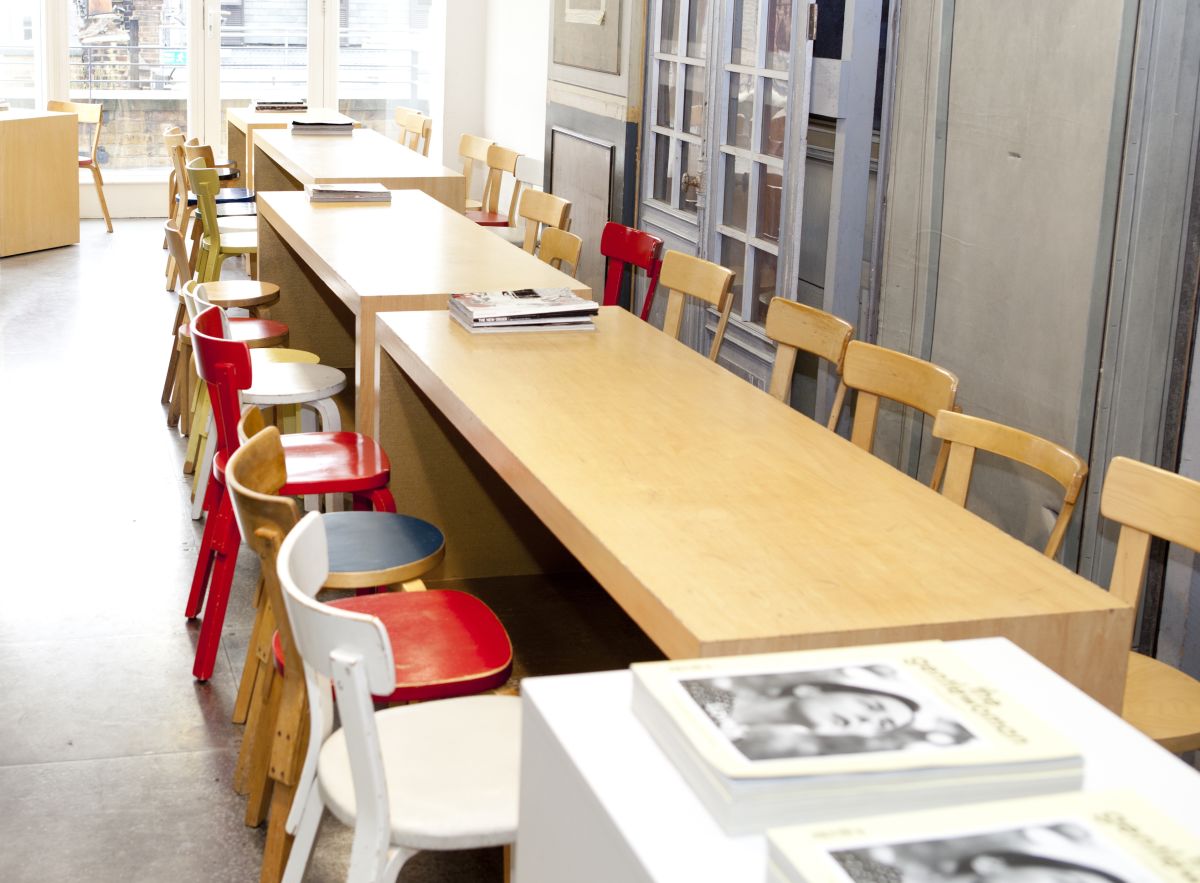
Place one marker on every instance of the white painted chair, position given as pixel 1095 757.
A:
pixel 434 775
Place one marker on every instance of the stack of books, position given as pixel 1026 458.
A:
pixel 348 193
pixel 523 309
pixel 813 736
pixel 1094 837
pixel 283 106
pixel 305 127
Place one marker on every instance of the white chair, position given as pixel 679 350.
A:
pixel 434 775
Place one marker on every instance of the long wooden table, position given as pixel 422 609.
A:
pixel 283 161
pixel 338 265
pixel 39 180
pixel 721 520
pixel 243 122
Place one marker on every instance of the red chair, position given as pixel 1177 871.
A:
pixel 317 463
pixel 624 245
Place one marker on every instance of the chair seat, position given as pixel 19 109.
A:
pixel 515 235
pixel 228 196
pixel 231 226
pixel 252 332
pixel 85 160
pixel 1162 702
pixel 473 205
pixel 241 293
pixel 333 462
pixel 488 219
pixel 292 383
pixel 379 548
pixel 237 242
pixel 451 768
pixel 232 210
pixel 226 174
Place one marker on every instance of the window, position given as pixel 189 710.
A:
pixel 17 52
pixel 383 51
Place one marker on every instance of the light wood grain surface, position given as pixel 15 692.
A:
pixel 39 180
pixel 243 122
pixel 724 521
pixel 340 264
pixel 363 156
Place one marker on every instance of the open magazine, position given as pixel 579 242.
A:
pixel 812 735
pixel 1094 837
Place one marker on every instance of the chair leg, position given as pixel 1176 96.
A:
pixel 204 457
pixel 260 783
pixel 96 177
pixel 173 361
pixel 209 641
pixel 249 686
pixel 260 726
pixel 209 543
pixel 278 847
pixel 198 423
pixel 306 833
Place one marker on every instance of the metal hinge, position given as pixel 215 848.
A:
pixel 812 21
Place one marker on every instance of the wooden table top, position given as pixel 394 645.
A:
pixel 414 251
pixel 247 117
pixel 25 113
pixel 363 156
pixel 722 520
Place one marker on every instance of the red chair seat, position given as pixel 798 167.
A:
pixel 247 330
pixel 327 463
pixel 487 219
pixel 445 643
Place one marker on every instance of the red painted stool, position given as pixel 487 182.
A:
pixel 626 246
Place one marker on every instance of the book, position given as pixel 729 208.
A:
pixel 301 127
pixel 480 307
pixel 808 736
pixel 563 323
pixel 1091 837
pixel 348 193
pixel 281 106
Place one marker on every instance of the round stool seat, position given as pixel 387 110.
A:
pixel 379 548
pixel 241 294
pixel 292 383
pixel 282 354
pixel 252 332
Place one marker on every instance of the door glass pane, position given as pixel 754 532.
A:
pixel 668 38
pixel 741 110
pixel 697 32
pixel 733 257
pixel 745 32
pixel 764 284
pixel 666 94
pixel 383 62
pixel 132 58
pixel 736 192
pixel 774 121
pixel 779 34
pixel 17 19
pixel 689 181
pixel 693 99
pixel 770 198
pixel 664 181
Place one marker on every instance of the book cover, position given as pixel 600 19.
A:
pixel 348 193
pixel 1095 837
pixel 556 323
pixel 482 305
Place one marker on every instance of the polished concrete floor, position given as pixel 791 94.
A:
pixel 114 764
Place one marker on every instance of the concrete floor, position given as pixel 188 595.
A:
pixel 115 764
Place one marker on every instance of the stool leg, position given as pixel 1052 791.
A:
pixel 200 486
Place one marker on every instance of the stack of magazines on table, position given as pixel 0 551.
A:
pixel 282 106
pixel 896 764
pixel 348 193
pixel 308 127
pixel 524 309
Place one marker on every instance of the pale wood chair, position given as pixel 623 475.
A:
pixel 540 211
pixel 430 775
pixel 876 372
pixel 965 435
pixel 216 245
pixel 500 162
pixel 473 150
pixel 1161 701
pixel 89 115
pixel 415 129
pixel 227 173
pixel 795 326
pixel 685 276
pixel 559 246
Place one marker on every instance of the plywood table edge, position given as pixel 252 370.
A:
pixel 655 619
pixel 333 280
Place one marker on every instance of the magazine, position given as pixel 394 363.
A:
pixel 556 323
pixel 302 127
pixel 490 306
pixel 814 735
pixel 1093 837
pixel 281 106
pixel 348 193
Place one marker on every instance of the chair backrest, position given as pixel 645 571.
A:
pixel 623 246
pixel 501 160
pixel 226 367
pixel 204 182
pixel 1147 502
pixel 416 131
pixel 558 246
pixel 877 372
pixel 966 435
pixel 686 276
pixel 796 326
pixel 540 209
pixel 89 115
pixel 177 248
pixel 352 650
pixel 473 151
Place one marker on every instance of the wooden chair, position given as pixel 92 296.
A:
pixel 415 129
pixel 1161 701
pixel 446 643
pixel 434 775
pixel 500 161
pixel 627 247
pixel 877 372
pixel 794 327
pixel 558 246
pixel 473 150
pixel 965 435
pixel 89 115
pixel 227 173
pixel 540 211
pixel 318 463
pixel 686 276
pixel 215 245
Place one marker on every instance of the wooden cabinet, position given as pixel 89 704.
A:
pixel 39 181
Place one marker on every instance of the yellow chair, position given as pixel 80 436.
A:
pixel 215 245
pixel 966 435
pixel 558 246
pixel 93 115
pixel 1161 701
pixel 795 326
pixel 540 211
pixel 415 129
pixel 686 276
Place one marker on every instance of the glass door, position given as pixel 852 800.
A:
pixel 384 61
pixel 18 21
